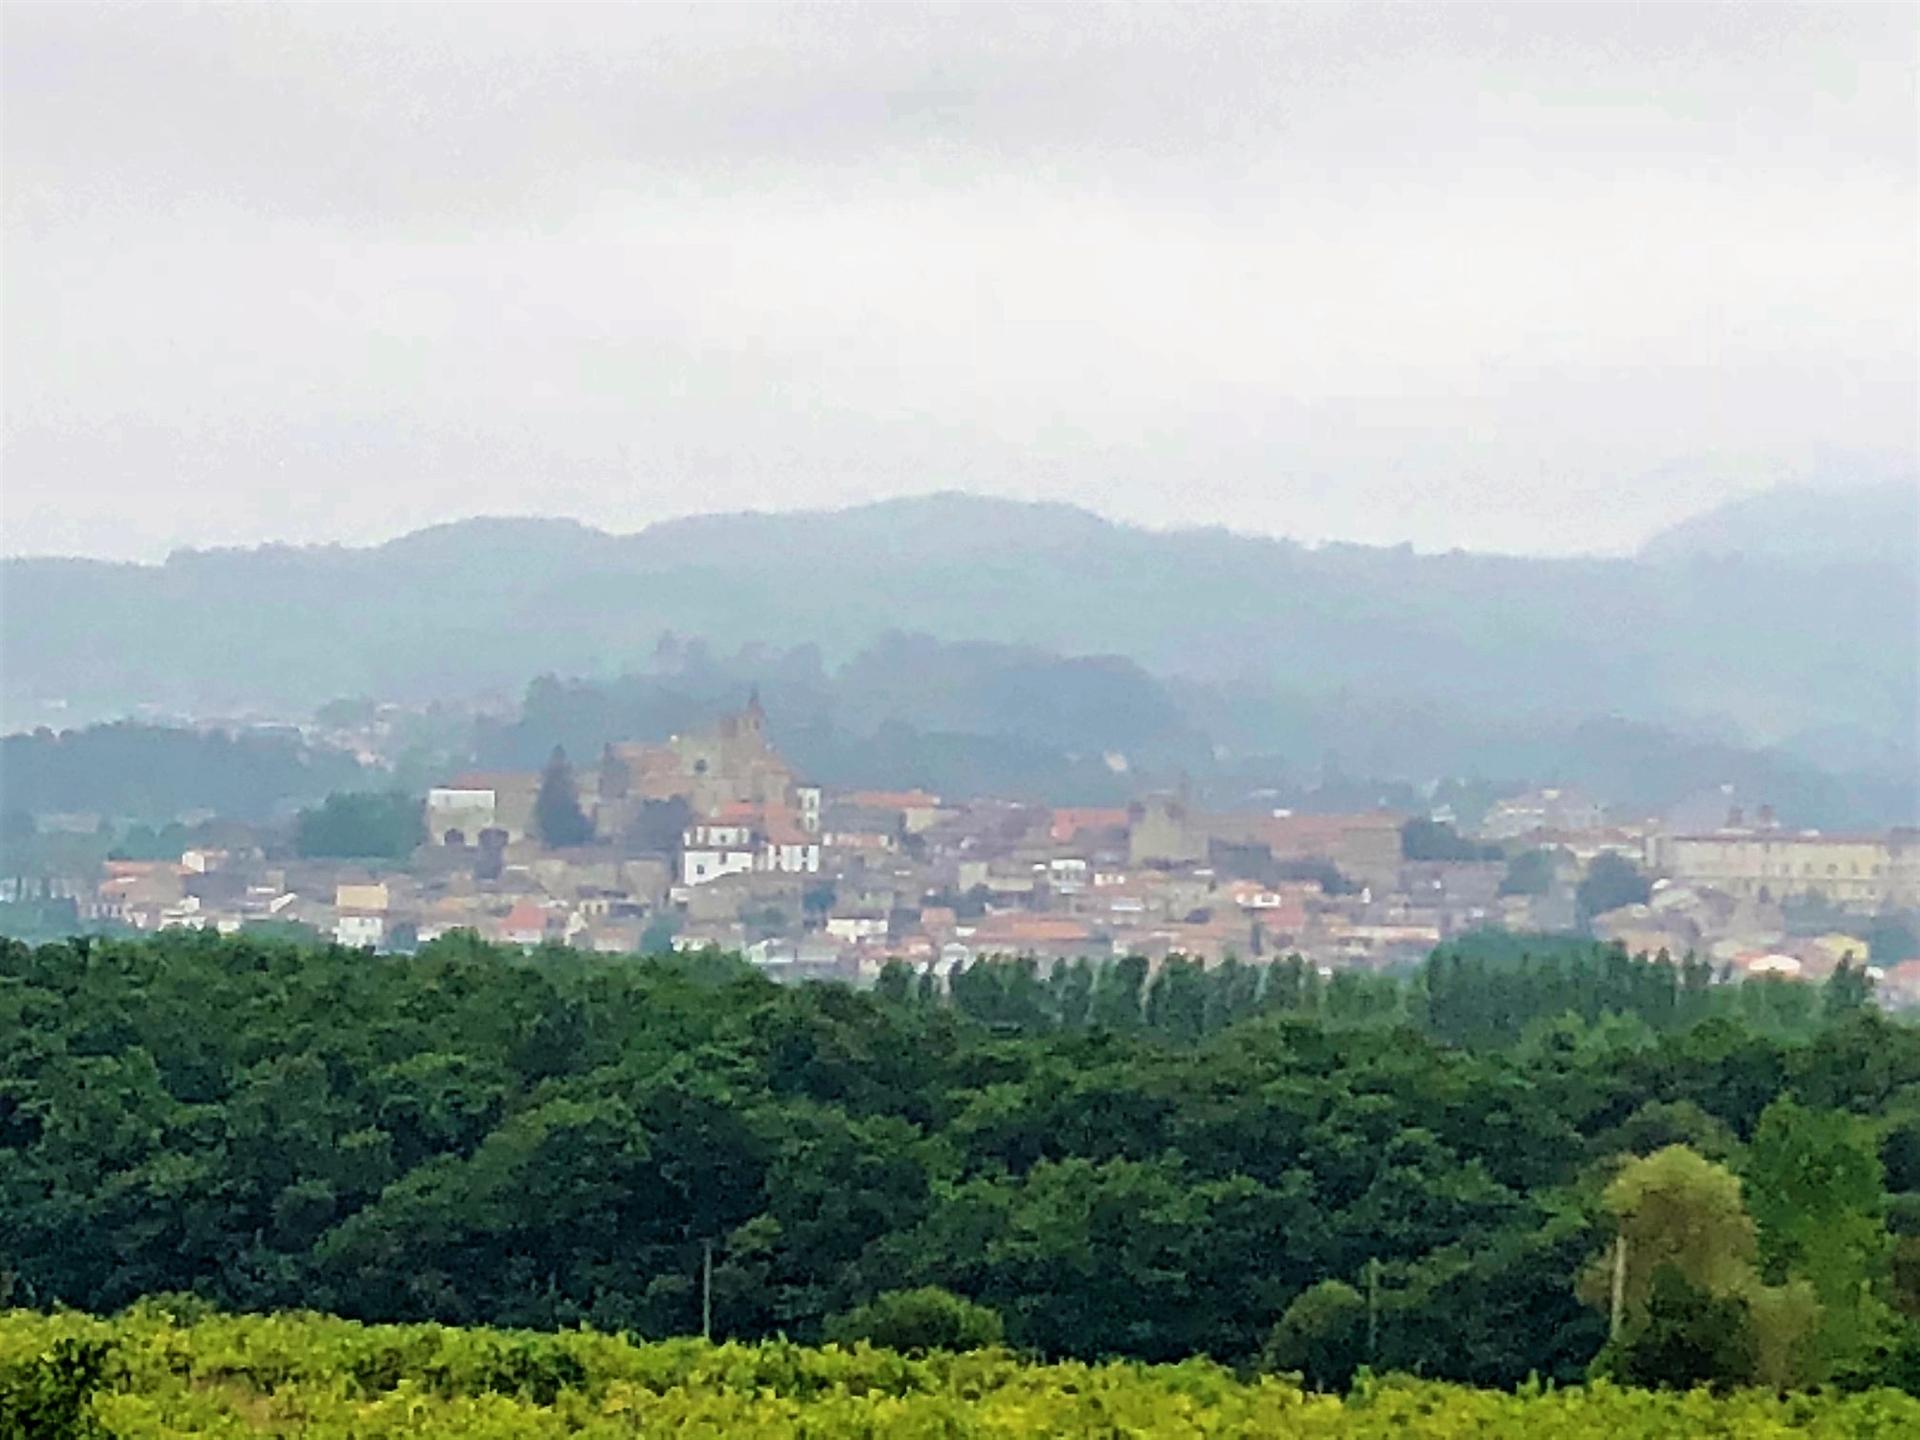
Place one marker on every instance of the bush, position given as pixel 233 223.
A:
pixel 49 1396
pixel 916 1321
pixel 141 1377
pixel 1611 883
pixel 1688 1337
pixel 1321 1338
pixel 1423 839
pixel 361 825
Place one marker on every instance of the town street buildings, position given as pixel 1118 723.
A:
pixel 711 838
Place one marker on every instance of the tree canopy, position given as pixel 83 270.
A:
pixel 361 825
pixel 1424 839
pixel 1611 881
pixel 557 815
pixel 1113 1159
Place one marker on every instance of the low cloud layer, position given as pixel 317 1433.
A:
pixel 1542 278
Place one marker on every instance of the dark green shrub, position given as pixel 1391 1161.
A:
pixel 916 1321
pixel 49 1397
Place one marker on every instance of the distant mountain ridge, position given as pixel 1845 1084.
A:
pixel 1738 651
pixel 1877 522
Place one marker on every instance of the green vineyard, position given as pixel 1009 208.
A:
pixel 147 1375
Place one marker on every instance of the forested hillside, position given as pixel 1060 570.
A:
pixel 1729 649
pixel 1242 1164
pixel 969 719
pixel 156 772
pixel 959 720
pixel 1829 525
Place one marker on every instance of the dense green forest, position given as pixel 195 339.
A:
pixel 927 668
pixel 1386 657
pixel 1255 1164
pixel 159 772
pixel 361 824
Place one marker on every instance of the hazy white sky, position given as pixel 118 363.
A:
pixel 1531 278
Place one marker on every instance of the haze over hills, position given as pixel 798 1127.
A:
pixel 1744 629
pixel 1878 522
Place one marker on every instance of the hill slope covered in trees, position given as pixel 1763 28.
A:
pixel 1208 1163
pixel 1729 648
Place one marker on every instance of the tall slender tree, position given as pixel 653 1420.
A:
pixel 556 810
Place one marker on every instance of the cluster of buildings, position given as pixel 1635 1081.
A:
pixel 711 839
pixel 1758 899
pixel 728 803
pixel 1764 863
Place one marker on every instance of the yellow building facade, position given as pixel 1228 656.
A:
pixel 1866 872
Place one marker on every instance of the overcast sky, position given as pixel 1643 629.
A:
pixel 1539 278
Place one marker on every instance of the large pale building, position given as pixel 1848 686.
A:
pixel 459 812
pixel 749 814
pixel 742 838
pixel 1163 830
pixel 1362 846
pixel 731 764
pixel 1865 872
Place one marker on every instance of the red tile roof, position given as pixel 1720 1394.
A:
pixel 1016 929
pixel 524 917
pixel 782 829
pixel 894 799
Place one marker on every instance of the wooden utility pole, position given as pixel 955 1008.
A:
pixel 1617 1315
pixel 706 1289
pixel 1373 1310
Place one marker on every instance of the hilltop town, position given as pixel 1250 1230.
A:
pixel 711 839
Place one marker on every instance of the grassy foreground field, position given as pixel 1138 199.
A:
pixel 144 1376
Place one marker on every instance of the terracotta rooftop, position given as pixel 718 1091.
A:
pixel 893 799
pixel 1019 929
pixel 525 916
